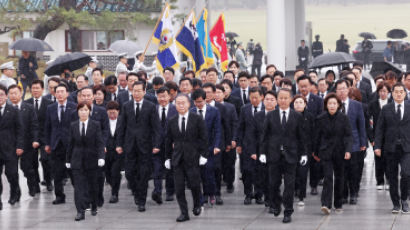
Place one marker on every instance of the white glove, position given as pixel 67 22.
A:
pixel 101 162
pixel 68 165
pixel 262 158
pixel 167 164
pixel 303 160
pixel 202 160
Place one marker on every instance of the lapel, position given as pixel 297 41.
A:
pixel 189 125
pixel 77 130
pixel 6 112
pixel 406 113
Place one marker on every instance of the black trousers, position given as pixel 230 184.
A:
pixel 138 170
pixel 250 177
pixel 27 166
pixel 228 167
pixel 333 168
pixel 169 182
pixel 315 172
pixel 288 171
pixel 158 166
pixel 113 171
pixel 192 174
pixel 301 180
pixel 380 165
pixel 58 157
pixel 360 165
pixel 100 183
pixel 85 189
pixel 396 159
pixel 45 160
pixel 256 69
pixel 11 170
pixel 351 176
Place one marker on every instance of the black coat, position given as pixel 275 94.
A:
pixel 333 136
pixel 124 97
pixel 100 115
pixel 84 152
pixel 366 91
pixel 30 125
pixel 41 116
pixel 237 102
pixel 374 112
pixel 11 133
pixel 24 68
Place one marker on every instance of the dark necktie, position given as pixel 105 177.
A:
pixel 137 112
pixel 284 119
pixel 83 129
pixel 201 112
pixel 399 112
pixel 115 96
pixel 183 126
pixel 244 96
pixel 343 108
pixel 16 106
pixel 163 117
pixel 36 105
pixel 61 113
pixel 255 110
pixel 321 95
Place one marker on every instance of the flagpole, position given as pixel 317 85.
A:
pixel 155 28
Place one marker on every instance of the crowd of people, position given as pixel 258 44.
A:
pixel 189 133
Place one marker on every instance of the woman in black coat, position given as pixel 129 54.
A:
pixel 333 143
pixel 85 153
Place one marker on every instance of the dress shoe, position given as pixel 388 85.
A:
pixel 157 198
pixel 169 197
pixel 94 212
pixel 80 216
pixel 197 211
pixel 100 202
pixel 182 218
pixel 287 219
pixel 247 201
pixel 141 208
pixel 313 191
pixel 13 200
pixel 395 210
pixel 219 200
pixel 259 200
pixel 353 201
pixel 43 183
pixel 230 189
pixel 113 199
pixel 50 187
pixel 404 207
pixel 32 192
pixel 276 212
pixel 58 201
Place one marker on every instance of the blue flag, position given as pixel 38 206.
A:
pixel 203 35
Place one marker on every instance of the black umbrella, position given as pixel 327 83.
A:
pixel 231 35
pixel 70 61
pixel 397 34
pixel 367 35
pixel 31 44
pixel 331 59
pixel 382 67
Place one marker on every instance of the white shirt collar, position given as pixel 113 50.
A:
pixel 64 104
pixel 18 105
pixel 86 125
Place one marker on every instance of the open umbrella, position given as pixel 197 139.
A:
pixel 397 34
pixel 125 46
pixel 367 35
pixel 70 61
pixel 31 44
pixel 331 59
pixel 382 67
pixel 231 35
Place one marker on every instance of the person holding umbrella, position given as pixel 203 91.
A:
pixel 122 64
pixel 27 70
pixel 367 47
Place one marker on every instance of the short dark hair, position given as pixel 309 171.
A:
pixel 185 79
pixel 113 105
pixel 82 104
pixel 286 90
pixel 97 69
pixel 312 71
pixel 142 73
pixel 304 77
pixel 198 93
pixel 330 96
pixel 227 82
pixel 243 74
pixel 299 70
pixel 132 74
pixel 390 75
pixel 196 82
pixel 323 79
pixel 189 72
pixel 383 85
pixel 228 71
pixel 380 76
pixel 341 81
pixel 14 86
pixel 157 81
pixel 231 63
pixel 256 90
pixel 3 88
pixel 110 80
pixel 169 69
pixel 209 85
pixel 82 75
pixel 389 42
pixel 278 73
pixel 358 68
pixel 271 92
pixel 212 69
pixel 270 66
pixel 171 85
pixel 266 76
pixel 139 83
pixel 330 72
pixel 398 84
pixel 405 74
pixel 97 88
pixel 37 82
pixel 61 85
pixel 163 89
pixel 285 81
pixel 55 79
pixel 220 87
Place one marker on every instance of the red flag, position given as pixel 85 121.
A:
pixel 218 41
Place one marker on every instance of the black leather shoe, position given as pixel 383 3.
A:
pixel 141 208
pixel 157 198
pixel 32 192
pixel 344 201
pixel 113 199
pixel 80 216
pixel 313 191
pixel 50 187
pixel 197 211
pixel 395 210
pixel 13 200
pixel 259 200
pixel 287 219
pixel 43 183
pixel 58 201
pixel 94 212
pixel 353 201
pixel 218 200
pixel 276 212
pixel 404 207
pixel 182 218
pixel 169 198
pixel 247 201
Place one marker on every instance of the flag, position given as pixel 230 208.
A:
pixel 203 36
pixel 218 41
pixel 164 38
pixel 188 42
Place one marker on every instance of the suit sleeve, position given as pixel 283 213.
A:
pixel 347 137
pixel 169 140
pixel 121 128
pixel 234 125
pixel 105 127
pixel 34 126
pixel 20 131
pixel 202 138
pixel 156 128
pixel 47 127
pixel 362 126
pixel 303 138
pixel 218 130
pixel 70 146
pixel 100 142
pixel 380 127
pixel 317 136
pixel 241 128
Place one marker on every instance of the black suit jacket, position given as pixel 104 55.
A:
pixel 84 152
pixel 366 91
pixel 50 97
pixel 190 147
pixel 124 97
pixel 292 137
pixel 237 92
pixel 333 136
pixel 143 133
pixel 30 125
pixel 315 105
pixel 237 102
pixel 11 133
pixel 100 115
pixel 247 131
pixel 41 116
pixel 374 112
pixel 231 118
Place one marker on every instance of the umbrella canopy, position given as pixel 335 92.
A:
pixel 125 46
pixel 367 35
pixel 331 59
pixel 70 61
pixel 31 44
pixel 397 34
pixel 383 67
pixel 231 35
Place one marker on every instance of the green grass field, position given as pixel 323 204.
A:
pixel 327 20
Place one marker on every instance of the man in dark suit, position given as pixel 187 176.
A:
pixel 298 73
pixel 323 87
pixel 282 141
pixel 40 107
pixel 213 124
pixel 31 138
pixel 125 96
pixel 186 149
pixel 393 136
pixel 81 82
pixel 157 82
pixel 236 101
pixel 57 125
pixel 52 83
pixel 243 91
pixel 165 111
pixel 247 146
pixel 363 84
pixel 11 145
pixel 354 111
pixel 112 88
pixel 139 137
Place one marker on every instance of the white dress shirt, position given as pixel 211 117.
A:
pixel 2 109
pixel 160 108
pixel 259 108
pixel 382 103
pixel 180 120
pixel 286 114
pixel 203 111
pixel 18 105
pixel 113 126
pixel 346 105
pixel 85 128
pixel 58 109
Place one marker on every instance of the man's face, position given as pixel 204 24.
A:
pixel 270 102
pixel 199 103
pixel 253 82
pixel 163 98
pixel 172 95
pixel 15 95
pixel 112 114
pixel 211 77
pixel 342 91
pixel 87 96
pixel 255 98
pixel 202 76
pixel 122 80
pixel 97 78
pixel 277 80
pixel 131 80
pixel 399 93
pixel 234 69
pixel 92 65
pixel 81 83
pixel 357 74
pixel 185 87
pixel 322 86
pixel 407 82
pixel 156 87
pixel 304 87
pixel 138 92
pixel 51 86
pixel 284 99
pixel 182 104
pixel 9 72
pixel 271 71
pixel 313 76
pixel 210 95
pixel 111 88
pixel 36 90
pixel 229 76
pixel 219 95
pixel 189 75
pixel 3 97
pixel 168 76
pixel 61 94
pixel 243 82
pixel 267 83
